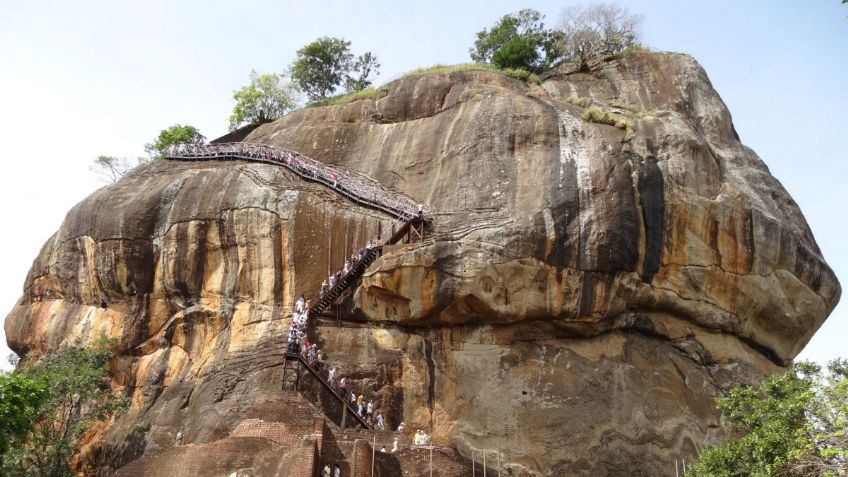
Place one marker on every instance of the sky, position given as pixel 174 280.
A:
pixel 103 77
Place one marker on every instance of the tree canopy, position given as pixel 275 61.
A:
pixel 794 424
pixel 110 168
pixel 325 64
pixel 267 97
pixel 517 40
pixel 176 134
pixel 588 34
pixel 20 403
pixel 71 393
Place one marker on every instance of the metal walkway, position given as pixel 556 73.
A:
pixel 349 184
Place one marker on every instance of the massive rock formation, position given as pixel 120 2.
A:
pixel 584 292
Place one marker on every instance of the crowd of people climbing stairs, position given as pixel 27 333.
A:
pixel 348 266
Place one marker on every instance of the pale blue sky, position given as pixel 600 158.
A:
pixel 80 79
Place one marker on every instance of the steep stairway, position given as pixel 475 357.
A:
pixel 355 187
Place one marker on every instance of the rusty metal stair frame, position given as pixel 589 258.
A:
pixel 347 408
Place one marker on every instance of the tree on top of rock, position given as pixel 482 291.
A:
pixel 266 98
pixel 588 35
pixel 517 40
pixel 176 134
pixel 325 64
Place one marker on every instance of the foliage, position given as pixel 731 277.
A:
pixel 517 40
pixel 622 104
pixel 516 73
pixel 176 134
pixel 793 424
pixel 325 64
pixel 517 52
pixel 367 93
pixel 583 102
pixel 110 168
pixel 77 396
pixel 363 67
pixel 267 97
pixel 590 34
pixel 597 115
pixel 20 402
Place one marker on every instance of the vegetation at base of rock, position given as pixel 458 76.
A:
pixel 793 424
pixel 75 395
pixel 267 97
pixel 367 93
pixel 20 402
pixel 325 64
pixel 517 40
pixel 516 73
pixel 176 134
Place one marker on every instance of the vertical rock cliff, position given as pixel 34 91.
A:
pixel 584 292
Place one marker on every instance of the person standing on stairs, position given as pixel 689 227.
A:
pixel 369 409
pixel 298 306
pixel 336 471
pixel 326 471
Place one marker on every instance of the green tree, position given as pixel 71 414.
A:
pixel 793 424
pixel 176 134
pixel 362 68
pixel 20 403
pixel 267 97
pixel 321 66
pixel 77 395
pixel 517 52
pixel 517 40
pixel 325 64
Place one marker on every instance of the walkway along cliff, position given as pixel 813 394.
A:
pixel 582 292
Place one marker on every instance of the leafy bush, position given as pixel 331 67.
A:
pixel 76 395
pixel 517 40
pixel 794 424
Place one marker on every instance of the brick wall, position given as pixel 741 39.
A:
pixel 306 462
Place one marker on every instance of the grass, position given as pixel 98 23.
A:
pixel 367 93
pixel 517 73
pixel 583 102
pixel 600 116
pixel 620 103
pixel 638 48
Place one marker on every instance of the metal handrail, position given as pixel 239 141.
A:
pixel 349 184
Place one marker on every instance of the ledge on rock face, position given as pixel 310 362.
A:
pixel 577 277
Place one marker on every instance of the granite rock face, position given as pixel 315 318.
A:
pixel 583 294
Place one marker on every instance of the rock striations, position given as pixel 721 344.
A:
pixel 584 292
